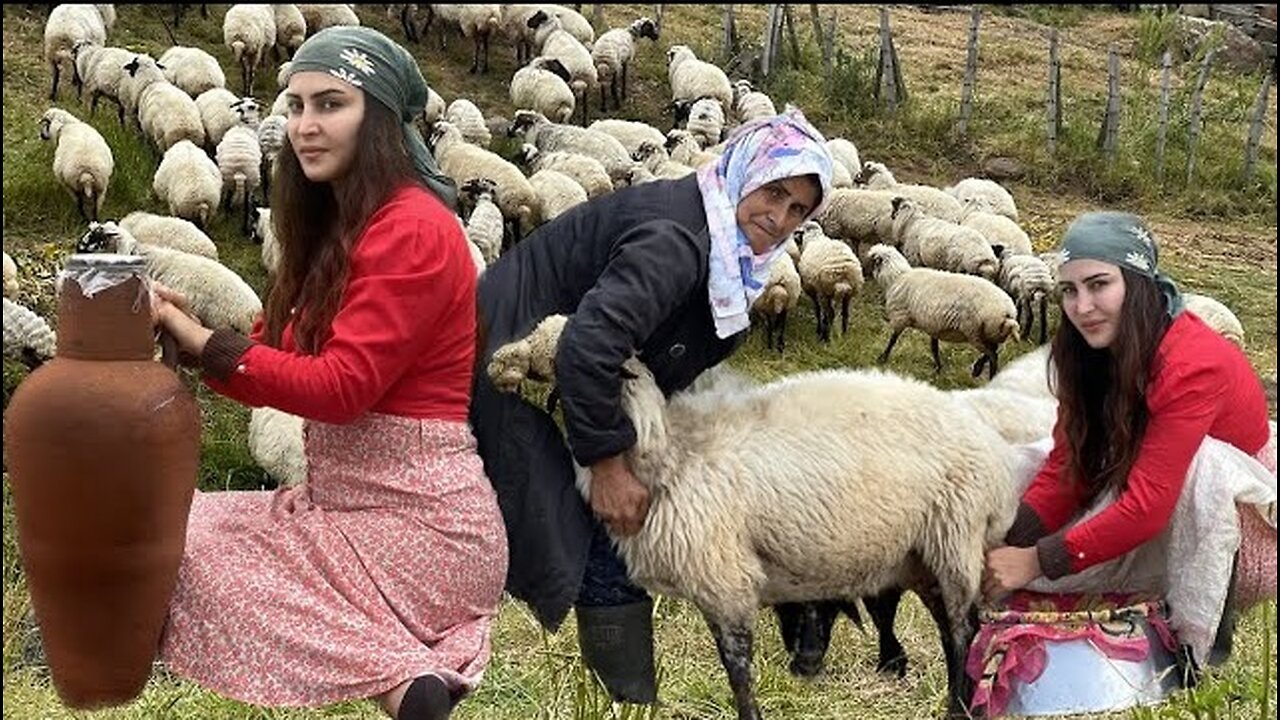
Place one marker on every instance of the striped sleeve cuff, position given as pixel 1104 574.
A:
pixel 1055 561
pixel 222 352
pixel 1027 528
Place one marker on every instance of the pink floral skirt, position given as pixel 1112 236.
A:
pixel 388 563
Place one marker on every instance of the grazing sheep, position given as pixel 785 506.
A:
pixel 685 150
pixel 169 232
pixel 463 162
pixel 692 78
pixel 543 86
pixel 465 116
pixel 192 69
pixel 67 26
pixel 557 193
pixel 553 41
pixel 82 160
pixel 217 295
pixel 478 23
pixel 484 226
pixel 846 154
pixel 276 444
pixel 612 54
pixel 940 244
pixel 861 218
pixel 27 336
pixel 1215 315
pixel 999 230
pixel 703 118
pixel 140 72
pixel 291 28
pixel 751 104
pixel 218 112
pixel 631 133
pixel 167 115
pixel 189 183
pixel 945 305
pixel 586 171
pixel 829 272
pixel 249 32
pixel 239 158
pixel 1027 280
pixel 101 70
pixel 548 136
pixel 779 297
pixel 319 17
pixel 271 138
pixel 997 198
pixel 875 176
pixel 655 159
pixel 10 277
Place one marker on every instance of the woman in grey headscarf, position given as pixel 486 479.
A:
pixel 381 574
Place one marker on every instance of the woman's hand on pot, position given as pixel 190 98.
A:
pixel 169 310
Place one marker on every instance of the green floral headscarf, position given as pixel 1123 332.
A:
pixel 381 67
pixel 1121 239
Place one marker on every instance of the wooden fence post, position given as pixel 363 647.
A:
pixel 657 16
pixel 791 35
pixel 816 19
pixel 1107 135
pixel 772 35
pixel 1162 129
pixel 730 33
pixel 1054 121
pixel 887 74
pixel 970 72
pixel 1193 123
pixel 829 44
pixel 1255 127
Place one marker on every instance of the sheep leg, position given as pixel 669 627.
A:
pixel 1044 325
pixel 475 62
pixel 993 352
pixel 883 609
pixel 484 68
pixel 933 350
pixel 782 330
pixel 829 309
pixel 844 315
pixel 604 103
pixel 884 356
pixel 53 92
pixel 956 637
pixel 624 80
pixel 978 364
pixel 806 633
pixel 734 644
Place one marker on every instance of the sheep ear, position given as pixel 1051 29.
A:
pixel 132 66
pixel 536 19
pixel 998 249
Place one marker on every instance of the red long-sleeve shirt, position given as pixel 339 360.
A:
pixel 403 340
pixel 1201 385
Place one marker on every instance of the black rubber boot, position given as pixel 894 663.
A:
pixel 617 643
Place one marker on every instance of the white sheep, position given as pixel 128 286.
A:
pixel 940 244
pixel 189 183
pixel 875 176
pixel 139 73
pixel 1027 280
pixel 101 70
pixel 249 32
pixel 612 54
pixel 192 69
pixel 169 232
pixel 1018 418
pixel 1027 375
pixel 543 86
pixel 779 297
pixel 27 336
pixel 999 230
pixel 996 196
pixel 239 158
pixel 67 26
pixel 168 115
pixel 750 104
pixel 845 153
pixel 319 17
pixel 684 149
pixel 276 444
pixel 829 272
pixel 946 306
pixel 485 225
pixel 434 110
pixel 291 28
pixel 819 485
pixel 263 233
pixel 463 161
pixel 557 193
pixel 271 138
pixel 478 23
pixel 464 115
pixel 553 41
pixel 82 160
pixel 692 78
pixel 217 295
pixel 655 159
pixel 548 137
pixel 586 171
pixel 10 277
pixel 703 118
pixel 218 113
pixel 1215 315
pixel 631 133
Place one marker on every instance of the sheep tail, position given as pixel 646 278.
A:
pixel 776 299
pixel 237 50
pixel 1011 325
pixel 87 185
pixel 202 212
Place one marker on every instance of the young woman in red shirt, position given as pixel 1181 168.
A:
pixel 1140 385
pixel 380 575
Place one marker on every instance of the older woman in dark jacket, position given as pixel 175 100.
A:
pixel 666 271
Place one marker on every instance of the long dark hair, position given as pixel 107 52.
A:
pixel 316 225
pixel 1102 393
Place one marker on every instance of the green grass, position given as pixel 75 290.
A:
pixel 1217 237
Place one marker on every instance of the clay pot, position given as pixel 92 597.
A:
pixel 103 445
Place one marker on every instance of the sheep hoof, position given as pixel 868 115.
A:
pixel 896 666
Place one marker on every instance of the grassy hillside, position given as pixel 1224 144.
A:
pixel 1217 235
